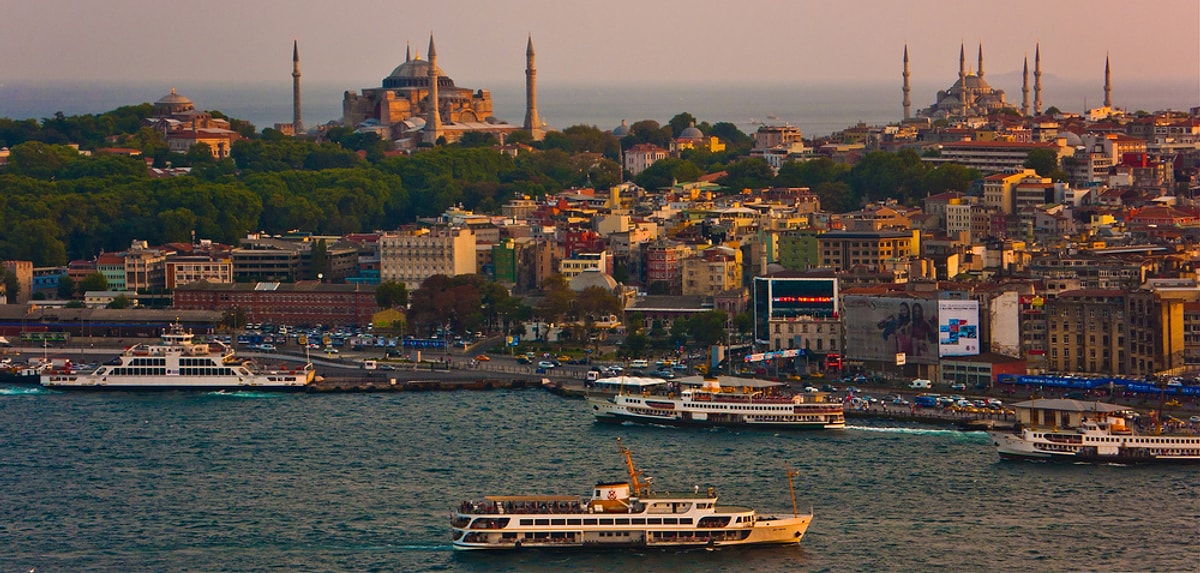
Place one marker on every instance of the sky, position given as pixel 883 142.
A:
pixel 481 42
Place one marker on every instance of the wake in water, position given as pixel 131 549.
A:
pixel 918 431
pixel 242 394
pixel 23 390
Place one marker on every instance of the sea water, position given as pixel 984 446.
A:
pixel 365 482
pixel 816 108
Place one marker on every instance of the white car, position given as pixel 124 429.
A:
pixel 1194 419
pixel 545 364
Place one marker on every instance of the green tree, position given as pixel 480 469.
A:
pixel 12 286
pixel 66 287
pixel 753 173
pixel 681 122
pixel 708 328
pixel 666 172
pixel 120 302
pixel 635 345
pixel 391 294
pixel 93 282
pixel 1044 161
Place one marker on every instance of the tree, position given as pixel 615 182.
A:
pixel 752 173
pixel 234 318
pixel 1044 161
pixel 391 294
pixel 66 287
pixel 708 328
pixel 667 172
pixel 12 286
pixel 93 282
pixel 121 301
pixel 635 345
pixel 681 122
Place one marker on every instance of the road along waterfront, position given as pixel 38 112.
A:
pixel 364 482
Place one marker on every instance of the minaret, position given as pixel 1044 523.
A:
pixel 433 124
pixel 980 72
pixel 907 101
pixel 962 80
pixel 1107 83
pixel 1037 80
pixel 1025 88
pixel 407 52
pixel 533 123
pixel 297 124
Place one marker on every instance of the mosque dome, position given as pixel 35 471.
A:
pixel 621 130
pixel 172 104
pixel 691 132
pixel 173 98
pixel 591 278
pixel 415 73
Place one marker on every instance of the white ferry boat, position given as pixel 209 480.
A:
pixel 177 361
pixel 1093 432
pixel 722 401
pixel 619 514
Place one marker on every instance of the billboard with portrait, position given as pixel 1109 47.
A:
pixel 879 328
pixel 958 327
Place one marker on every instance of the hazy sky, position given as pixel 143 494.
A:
pixel 481 42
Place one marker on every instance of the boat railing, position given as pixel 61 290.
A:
pixel 517 507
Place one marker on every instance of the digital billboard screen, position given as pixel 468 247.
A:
pixel 782 298
pixel 879 328
pixel 958 327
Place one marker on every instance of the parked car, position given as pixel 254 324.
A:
pixel 483 358
pixel 958 386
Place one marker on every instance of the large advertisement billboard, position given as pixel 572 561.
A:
pixel 958 327
pixel 879 328
pixel 782 298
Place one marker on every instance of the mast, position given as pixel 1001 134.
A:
pixel 792 489
pixel 635 484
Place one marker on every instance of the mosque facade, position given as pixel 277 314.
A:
pixel 401 110
pixel 969 96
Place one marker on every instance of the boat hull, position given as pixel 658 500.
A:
pixel 174 387
pixel 622 418
pixel 1011 447
pixel 766 531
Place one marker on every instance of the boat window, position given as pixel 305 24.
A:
pixel 639 521
pixel 685 521
pixel 558 522
pixel 606 521
pixel 670 521
pixel 590 521
pixel 526 522
pixel 622 521
pixel 542 522
pixel 574 522
pixel 654 521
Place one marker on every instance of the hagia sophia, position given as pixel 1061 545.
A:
pixel 399 110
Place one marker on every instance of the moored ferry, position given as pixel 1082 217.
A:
pixel 619 514
pixel 177 361
pixel 1091 432
pixel 721 401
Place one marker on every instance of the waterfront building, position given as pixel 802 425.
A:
pixel 412 255
pixel 300 303
pixel 1116 332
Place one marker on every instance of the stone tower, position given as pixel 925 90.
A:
pixel 962 77
pixel 533 123
pixel 1107 83
pixel 1037 80
pixel 1025 88
pixel 907 89
pixel 433 125
pixel 980 72
pixel 297 124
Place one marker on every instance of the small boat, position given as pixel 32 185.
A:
pixel 620 514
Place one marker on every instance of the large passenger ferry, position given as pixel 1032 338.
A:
pixel 177 361
pixel 721 401
pixel 619 514
pixel 1078 431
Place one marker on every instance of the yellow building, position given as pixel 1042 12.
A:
pixel 410 256
pixel 1000 189
pixel 843 250
pixel 716 270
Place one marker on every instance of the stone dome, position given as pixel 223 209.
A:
pixel 591 278
pixel 621 130
pixel 415 73
pixel 173 98
pixel 691 132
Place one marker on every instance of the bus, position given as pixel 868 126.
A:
pixel 45 337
